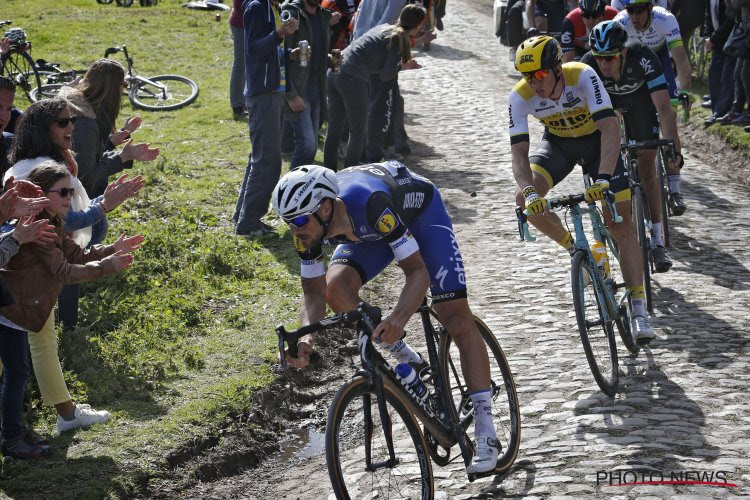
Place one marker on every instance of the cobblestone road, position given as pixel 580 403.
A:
pixel 683 403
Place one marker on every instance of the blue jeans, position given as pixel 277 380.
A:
pixel 306 126
pixel 264 162
pixel 14 353
pixel 721 82
pixel 237 77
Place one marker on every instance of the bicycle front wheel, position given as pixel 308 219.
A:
pixel 597 336
pixel 20 67
pixel 505 410
pixel 357 449
pixel 661 175
pixel 640 214
pixel 163 93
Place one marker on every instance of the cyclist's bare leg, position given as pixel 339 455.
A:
pixel 623 232
pixel 548 224
pixel 456 317
pixel 647 173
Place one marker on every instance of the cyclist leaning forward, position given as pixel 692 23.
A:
pixel 579 128
pixel 374 213
pixel 657 29
pixel 633 77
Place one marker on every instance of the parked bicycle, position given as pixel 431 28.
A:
pixel 599 310
pixel 374 445
pixel 155 93
pixel 17 64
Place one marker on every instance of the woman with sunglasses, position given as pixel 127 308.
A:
pixel 35 276
pixel 96 100
pixel 578 24
pixel 44 133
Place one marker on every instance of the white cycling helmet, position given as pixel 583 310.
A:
pixel 303 189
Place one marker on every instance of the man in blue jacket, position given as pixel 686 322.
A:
pixel 265 84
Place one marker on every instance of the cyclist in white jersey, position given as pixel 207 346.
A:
pixel 657 29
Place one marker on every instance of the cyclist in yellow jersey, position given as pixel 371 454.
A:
pixel 579 128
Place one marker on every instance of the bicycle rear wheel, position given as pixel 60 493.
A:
pixel 354 429
pixel 597 336
pixel 639 213
pixel 46 91
pixel 178 92
pixel 661 175
pixel 20 67
pixel 505 409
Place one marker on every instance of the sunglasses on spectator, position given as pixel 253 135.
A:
pixel 637 9
pixel 607 57
pixel 591 15
pixel 64 192
pixel 538 75
pixel 63 122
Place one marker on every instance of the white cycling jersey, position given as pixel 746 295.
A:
pixel 620 5
pixel 662 29
pixel 583 101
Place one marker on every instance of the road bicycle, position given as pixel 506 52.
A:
pixel 17 64
pixel 374 444
pixel 599 310
pixel 640 209
pixel 155 93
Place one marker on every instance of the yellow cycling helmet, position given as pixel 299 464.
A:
pixel 538 52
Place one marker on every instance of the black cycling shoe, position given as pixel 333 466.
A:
pixel 676 204
pixel 662 262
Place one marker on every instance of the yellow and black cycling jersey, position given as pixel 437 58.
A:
pixel 583 101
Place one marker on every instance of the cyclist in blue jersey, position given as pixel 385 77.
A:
pixel 375 213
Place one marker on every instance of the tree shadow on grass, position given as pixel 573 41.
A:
pixel 93 477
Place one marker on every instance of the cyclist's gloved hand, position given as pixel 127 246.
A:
pixel 597 190
pixel 304 349
pixel 535 204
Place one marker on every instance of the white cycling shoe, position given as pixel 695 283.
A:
pixel 641 330
pixel 485 455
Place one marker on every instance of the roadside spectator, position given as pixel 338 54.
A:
pixel 44 134
pixel 306 78
pixel 547 15
pixel 265 84
pixel 717 25
pixel 35 276
pixel 373 13
pixel 96 101
pixel 7 95
pixel 341 32
pixel 380 53
pixel 13 343
pixel 237 76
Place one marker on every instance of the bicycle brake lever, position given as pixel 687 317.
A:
pixel 291 341
pixel 610 199
pixel 523 226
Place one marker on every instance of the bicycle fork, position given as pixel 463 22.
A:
pixel 385 419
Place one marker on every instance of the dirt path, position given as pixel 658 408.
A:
pixel 683 403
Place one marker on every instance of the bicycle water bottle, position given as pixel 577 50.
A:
pixel 599 250
pixel 411 380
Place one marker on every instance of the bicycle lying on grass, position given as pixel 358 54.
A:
pixel 374 445
pixel 598 309
pixel 156 93
pixel 17 64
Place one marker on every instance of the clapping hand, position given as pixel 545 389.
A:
pixel 122 189
pixel 139 151
pixel 132 124
pixel 125 245
pixel 39 231
pixel 4 45
pixel 24 188
pixel 13 206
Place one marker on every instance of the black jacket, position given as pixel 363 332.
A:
pixel 726 21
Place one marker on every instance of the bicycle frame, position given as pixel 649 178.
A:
pixel 132 75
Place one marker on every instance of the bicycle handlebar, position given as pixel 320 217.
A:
pixel 369 315
pixel 111 50
pixel 649 144
pixel 564 201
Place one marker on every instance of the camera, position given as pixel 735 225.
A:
pixel 286 16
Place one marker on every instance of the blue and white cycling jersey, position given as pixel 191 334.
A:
pixel 394 214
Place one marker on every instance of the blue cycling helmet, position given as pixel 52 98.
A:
pixel 607 38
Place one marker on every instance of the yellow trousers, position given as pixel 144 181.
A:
pixel 46 362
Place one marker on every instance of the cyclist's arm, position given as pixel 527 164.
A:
pixel 681 60
pixel 313 307
pixel 610 144
pixel 667 117
pixel 518 129
pixel 417 279
pixel 519 153
pixel 567 38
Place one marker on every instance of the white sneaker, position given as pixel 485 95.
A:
pixel 641 330
pixel 84 416
pixel 485 455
